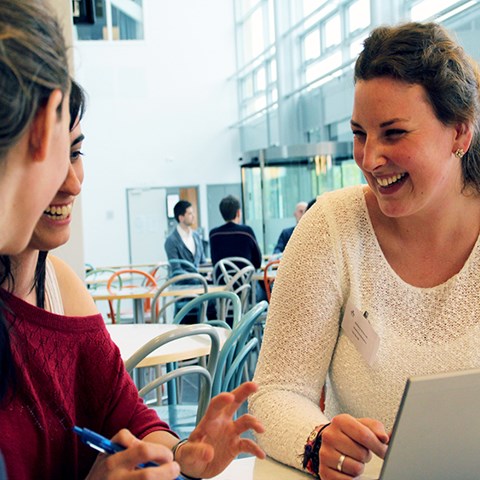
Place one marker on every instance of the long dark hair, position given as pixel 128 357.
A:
pixel 7 370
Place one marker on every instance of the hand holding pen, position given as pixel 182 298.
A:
pixel 131 456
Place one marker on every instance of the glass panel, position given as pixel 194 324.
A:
pixel 247 86
pixel 333 31
pixel 273 71
pixel 254 44
pixel 326 10
pixel 309 6
pixel 357 46
pixel 323 67
pixel 350 174
pixel 359 15
pixel 252 201
pixel 247 5
pixel 427 8
pixel 271 22
pixel 274 95
pixel 260 79
pixel 260 102
pixel 285 185
pixel 311 45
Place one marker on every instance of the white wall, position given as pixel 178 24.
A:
pixel 158 114
pixel 72 252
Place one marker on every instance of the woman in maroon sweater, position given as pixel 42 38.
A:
pixel 60 370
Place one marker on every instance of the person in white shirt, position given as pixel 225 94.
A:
pixel 184 244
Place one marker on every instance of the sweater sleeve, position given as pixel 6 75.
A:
pixel 300 336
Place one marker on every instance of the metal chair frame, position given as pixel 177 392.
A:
pixel 160 304
pixel 235 351
pixel 206 373
pixel 119 276
pixel 272 264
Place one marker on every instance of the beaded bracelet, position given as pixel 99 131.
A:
pixel 311 458
pixel 174 451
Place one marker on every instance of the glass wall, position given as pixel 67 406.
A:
pixel 274 181
pixel 295 83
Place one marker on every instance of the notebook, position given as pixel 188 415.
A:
pixel 437 429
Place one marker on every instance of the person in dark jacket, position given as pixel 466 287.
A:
pixel 286 233
pixel 233 239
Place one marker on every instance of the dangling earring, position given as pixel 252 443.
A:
pixel 459 153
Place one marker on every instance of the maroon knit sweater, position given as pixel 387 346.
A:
pixel 69 372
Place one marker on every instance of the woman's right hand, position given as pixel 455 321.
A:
pixel 123 465
pixel 348 443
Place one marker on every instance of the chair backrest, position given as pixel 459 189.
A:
pixel 164 338
pixel 128 278
pixel 235 350
pixel 227 267
pixel 179 266
pixel 267 278
pixel 160 272
pixel 97 276
pixel 225 301
pixel 162 304
pixel 236 273
pixel 241 284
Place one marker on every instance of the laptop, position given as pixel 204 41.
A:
pixel 436 435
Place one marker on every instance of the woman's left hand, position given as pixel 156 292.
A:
pixel 216 440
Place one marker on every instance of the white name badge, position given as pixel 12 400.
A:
pixel 359 331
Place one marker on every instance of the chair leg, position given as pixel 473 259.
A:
pixel 112 311
pixel 172 386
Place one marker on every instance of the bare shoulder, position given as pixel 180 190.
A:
pixel 77 301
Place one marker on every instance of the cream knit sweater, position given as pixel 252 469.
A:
pixel 333 255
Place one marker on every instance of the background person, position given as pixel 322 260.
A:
pixel 403 251
pixel 233 239
pixel 184 243
pixel 286 233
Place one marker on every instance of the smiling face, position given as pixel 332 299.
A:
pixel 53 228
pixel 31 172
pixel 404 151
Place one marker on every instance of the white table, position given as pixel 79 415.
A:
pixel 130 337
pixel 139 294
pixel 253 469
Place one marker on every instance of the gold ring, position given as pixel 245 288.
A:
pixel 340 463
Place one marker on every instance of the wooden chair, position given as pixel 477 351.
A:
pixel 268 279
pixel 124 279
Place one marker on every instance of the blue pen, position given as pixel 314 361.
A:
pixel 104 445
